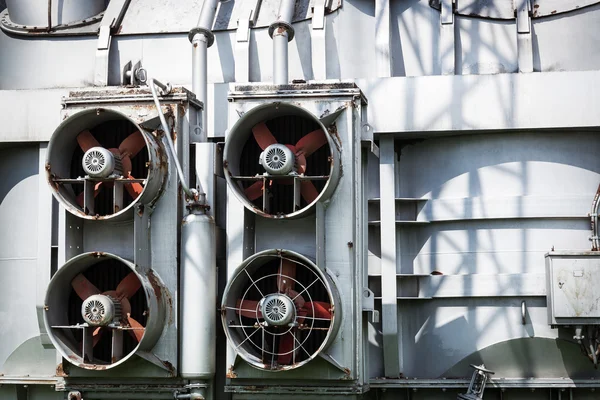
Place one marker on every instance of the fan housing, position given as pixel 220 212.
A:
pixel 100 310
pixel 100 164
pixel 280 159
pixel 280 311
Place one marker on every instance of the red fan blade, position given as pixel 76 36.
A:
pixel 134 189
pixel 97 335
pixel 132 144
pixel 80 196
pixel 311 142
pixel 287 270
pixel 263 135
pixel 248 308
pixel 254 191
pixel 83 287
pixel 128 286
pixel 286 345
pixel 318 309
pixel 136 333
pixel 86 141
pixel 309 191
pixel 125 304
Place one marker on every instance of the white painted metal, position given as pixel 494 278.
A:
pixel 35 12
pixel 198 285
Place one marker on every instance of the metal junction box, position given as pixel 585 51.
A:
pixel 572 281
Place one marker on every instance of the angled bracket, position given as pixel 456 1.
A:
pixel 113 16
pixel 524 36
pixel 447 49
pixel 248 19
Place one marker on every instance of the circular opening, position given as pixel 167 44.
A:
pixel 105 152
pixel 289 191
pixel 83 280
pixel 279 311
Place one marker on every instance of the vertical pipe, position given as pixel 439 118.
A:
pixel 280 57
pixel 281 31
pixel 199 78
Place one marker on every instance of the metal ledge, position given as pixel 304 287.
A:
pixel 502 383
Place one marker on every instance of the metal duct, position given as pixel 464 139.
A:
pixel 36 13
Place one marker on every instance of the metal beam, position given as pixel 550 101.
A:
pixel 447 49
pixel 389 306
pixel 382 38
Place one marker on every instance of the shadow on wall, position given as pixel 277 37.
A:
pixel 529 358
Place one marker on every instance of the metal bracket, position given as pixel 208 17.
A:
pixel 368 304
pixel 129 76
pixel 524 37
pixel 447 47
pixel 115 11
pixel 242 37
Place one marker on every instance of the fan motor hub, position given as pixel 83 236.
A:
pixel 277 309
pixel 100 310
pixel 277 159
pixel 99 162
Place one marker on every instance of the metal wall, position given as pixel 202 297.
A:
pixel 486 169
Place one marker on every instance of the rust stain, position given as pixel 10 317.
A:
pixel 230 373
pixel 169 368
pixel 98 254
pixel 156 285
pixel 332 129
pixel 60 370
pixel 553 12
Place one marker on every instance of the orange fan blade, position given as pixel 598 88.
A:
pixel 286 275
pixel 134 189
pixel 80 196
pixel 128 286
pixel 254 191
pixel 318 309
pixel 311 142
pixel 248 308
pixel 97 335
pixel 286 347
pixel 136 333
pixel 308 191
pixel 132 144
pixel 86 141
pixel 83 287
pixel 263 135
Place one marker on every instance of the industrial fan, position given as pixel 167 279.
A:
pixel 100 163
pixel 279 159
pixel 279 310
pixel 113 164
pixel 100 310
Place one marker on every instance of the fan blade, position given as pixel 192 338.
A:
pixel 97 335
pixel 263 135
pixel 309 191
pixel 254 191
pixel 86 141
pixel 311 142
pixel 136 333
pixel 134 189
pixel 318 309
pixel 83 287
pixel 132 144
pixel 286 345
pixel 287 270
pixel 128 286
pixel 248 308
pixel 81 195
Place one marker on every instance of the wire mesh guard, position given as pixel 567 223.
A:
pixel 279 311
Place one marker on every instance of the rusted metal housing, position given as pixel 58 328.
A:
pixel 57 304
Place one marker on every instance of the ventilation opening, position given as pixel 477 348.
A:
pixel 267 345
pixel 106 275
pixel 287 130
pixel 109 134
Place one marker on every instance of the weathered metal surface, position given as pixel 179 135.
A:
pixel 505 9
pixel 172 17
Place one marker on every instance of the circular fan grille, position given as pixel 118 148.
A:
pixel 100 310
pixel 276 158
pixel 95 311
pixel 280 311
